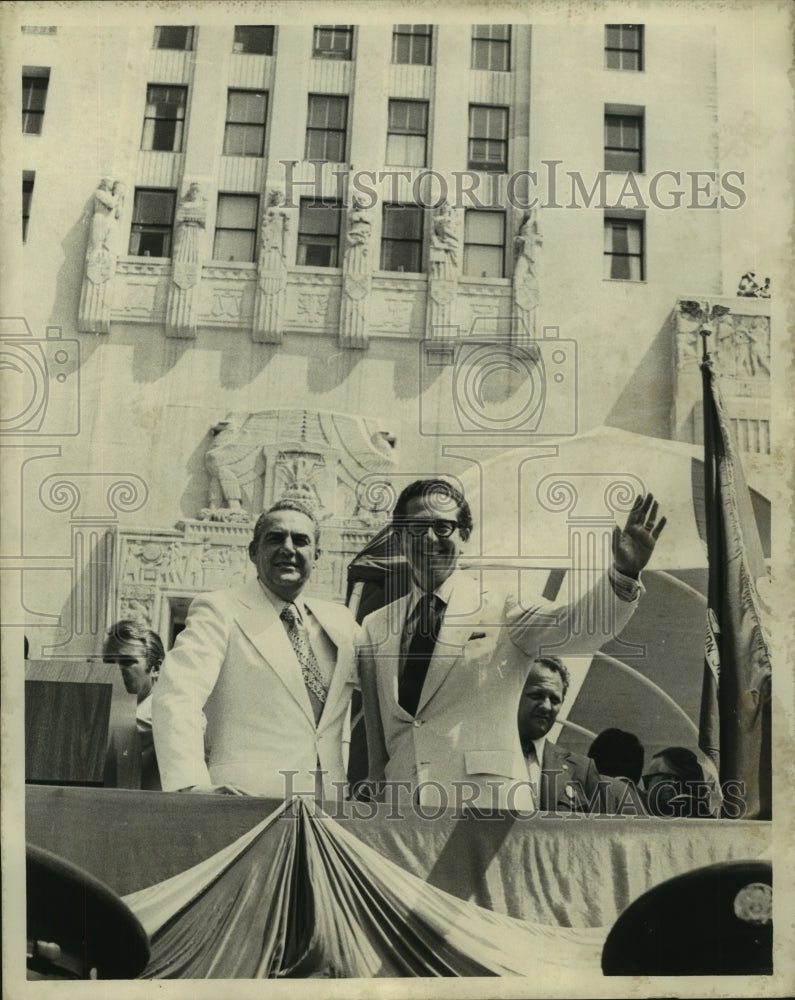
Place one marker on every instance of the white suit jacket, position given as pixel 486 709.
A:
pixel 463 745
pixel 234 664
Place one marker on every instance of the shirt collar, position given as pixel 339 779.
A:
pixel 539 744
pixel 279 603
pixel 444 592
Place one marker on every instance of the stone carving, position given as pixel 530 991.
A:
pixel 182 307
pixel 232 464
pixel 96 293
pixel 443 272
pixel 297 474
pixel 270 296
pixel 749 288
pixel 527 248
pixel 357 269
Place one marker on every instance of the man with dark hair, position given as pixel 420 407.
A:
pixel 443 667
pixel 618 754
pixel 564 779
pixel 270 669
pixel 674 784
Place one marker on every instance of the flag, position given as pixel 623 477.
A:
pixel 734 727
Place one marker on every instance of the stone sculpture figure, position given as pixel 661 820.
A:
pixel 93 314
pixel 527 247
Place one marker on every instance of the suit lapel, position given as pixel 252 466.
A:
pixel 339 675
pixel 263 627
pixel 453 634
pixel 556 760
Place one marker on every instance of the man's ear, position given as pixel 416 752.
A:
pixel 464 534
pixel 252 552
pixel 318 551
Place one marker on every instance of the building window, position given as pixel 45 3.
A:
pixel 28 177
pixel 488 138
pixel 35 81
pixel 236 227
pixel 624 46
pixel 174 36
pixel 624 249
pixel 254 39
pixel 318 233
pixel 327 122
pixel 153 219
pixel 491 46
pixel 408 132
pixel 624 140
pixel 333 41
pixel 411 43
pixel 164 118
pixel 244 134
pixel 484 244
pixel 401 238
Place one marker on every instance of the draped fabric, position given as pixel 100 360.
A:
pixel 300 896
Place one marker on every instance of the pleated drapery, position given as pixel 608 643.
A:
pixel 299 896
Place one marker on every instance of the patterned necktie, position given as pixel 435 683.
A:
pixel 310 670
pixel 427 617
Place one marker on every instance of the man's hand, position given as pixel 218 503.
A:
pixel 633 546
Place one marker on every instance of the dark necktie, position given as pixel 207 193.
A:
pixel 427 617
pixel 296 632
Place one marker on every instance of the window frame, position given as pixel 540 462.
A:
pixel 425 36
pixel 312 130
pixel 407 131
pixel 308 238
pixel 190 33
pixel 166 229
pixel 268 40
pixel 35 79
pixel 243 124
pixel 179 122
pixel 622 115
pixel 28 183
pixel 472 213
pixel 484 165
pixel 254 200
pixel 622 50
pixel 628 221
pixel 389 241
pixel 322 52
pixel 491 46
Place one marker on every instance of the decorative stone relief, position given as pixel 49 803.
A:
pixel 357 271
pixel 443 271
pixel 187 256
pixel 739 346
pixel 271 294
pixel 96 293
pixel 527 249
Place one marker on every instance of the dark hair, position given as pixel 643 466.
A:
pixel 130 630
pixel 283 504
pixel 617 753
pixel 429 487
pixel 682 762
pixel 553 663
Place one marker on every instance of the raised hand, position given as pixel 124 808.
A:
pixel 634 544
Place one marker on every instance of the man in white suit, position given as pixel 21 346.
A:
pixel 442 669
pixel 270 671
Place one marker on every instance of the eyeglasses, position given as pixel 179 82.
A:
pixel 417 527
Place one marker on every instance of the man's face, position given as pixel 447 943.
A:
pixel 432 559
pixel 540 703
pixel 130 657
pixel 662 786
pixel 286 553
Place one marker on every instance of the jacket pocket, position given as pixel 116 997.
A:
pixel 500 762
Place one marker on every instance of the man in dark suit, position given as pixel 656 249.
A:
pixel 565 780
